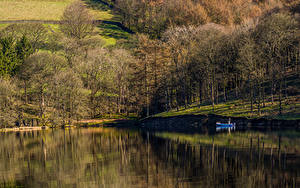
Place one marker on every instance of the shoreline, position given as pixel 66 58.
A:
pixel 180 123
pixel 90 123
pixel 23 129
pixel 205 123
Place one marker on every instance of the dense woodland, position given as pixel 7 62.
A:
pixel 184 52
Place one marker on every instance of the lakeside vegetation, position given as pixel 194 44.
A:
pixel 144 59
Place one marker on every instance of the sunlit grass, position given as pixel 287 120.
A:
pixel 107 41
pixel 239 108
pixel 32 9
pixel 104 15
pixel 11 10
pixel 44 10
pixel 3 26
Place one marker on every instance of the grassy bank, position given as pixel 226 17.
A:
pixel 241 108
pixel 31 112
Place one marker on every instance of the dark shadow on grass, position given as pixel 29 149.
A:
pixel 110 28
pixel 132 124
pixel 115 25
pixel 98 5
pixel 114 30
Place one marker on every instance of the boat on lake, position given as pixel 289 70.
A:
pixel 225 126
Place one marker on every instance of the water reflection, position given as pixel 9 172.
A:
pixel 106 157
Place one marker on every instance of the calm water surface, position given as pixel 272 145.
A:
pixel 107 157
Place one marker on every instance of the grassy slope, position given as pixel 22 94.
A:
pixel 239 108
pixel 110 33
pixel 53 10
pixel 242 108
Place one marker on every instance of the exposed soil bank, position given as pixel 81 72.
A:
pixel 200 123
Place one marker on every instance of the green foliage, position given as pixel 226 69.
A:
pixel 13 54
pixel 23 48
pixel 35 33
pixel 67 72
pixel 9 60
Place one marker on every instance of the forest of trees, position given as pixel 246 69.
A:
pixel 155 16
pixel 184 52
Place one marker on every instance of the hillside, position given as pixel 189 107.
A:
pixel 32 9
pixel 16 11
pixel 169 58
pixel 155 16
pixel 43 10
pixel 234 107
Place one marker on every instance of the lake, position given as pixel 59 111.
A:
pixel 109 157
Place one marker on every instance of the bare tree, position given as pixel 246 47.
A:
pixel 77 22
pixel 39 70
pixel 95 69
pixel 8 103
pixel 67 97
pixel 36 33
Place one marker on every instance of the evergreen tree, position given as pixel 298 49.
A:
pixel 9 60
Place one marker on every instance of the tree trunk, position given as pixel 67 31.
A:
pixel 280 97
pixel 284 80
pixel 224 93
pixel 92 105
pixel 25 92
pixel 236 85
pixel 119 101
pixel 272 89
pixel 212 96
pixel 217 94
pixel 185 97
pixel 259 98
pixel 147 92
pixel 200 93
pixel 224 87
pixel 251 96
pixel 42 103
pixel 263 93
pixel 212 88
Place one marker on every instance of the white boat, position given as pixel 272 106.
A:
pixel 225 126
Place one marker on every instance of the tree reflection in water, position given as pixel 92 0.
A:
pixel 106 157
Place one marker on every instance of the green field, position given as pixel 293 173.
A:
pixel 11 10
pixel 44 10
pixel 32 9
